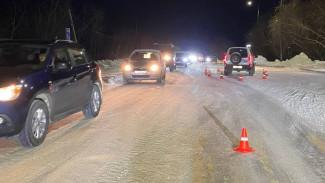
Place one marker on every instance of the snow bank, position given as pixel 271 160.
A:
pixel 109 63
pixel 300 61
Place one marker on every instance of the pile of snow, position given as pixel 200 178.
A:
pixel 260 60
pixel 300 61
pixel 109 63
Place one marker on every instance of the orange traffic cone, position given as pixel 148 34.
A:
pixel 263 71
pixel 209 73
pixel 264 76
pixel 221 76
pixel 218 70
pixel 205 71
pixel 243 144
pixel 241 78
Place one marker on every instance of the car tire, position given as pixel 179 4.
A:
pixel 251 71
pixel 36 125
pixel 227 72
pixel 95 102
pixel 235 58
pixel 125 81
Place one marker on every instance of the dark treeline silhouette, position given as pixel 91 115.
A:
pixel 298 25
pixel 47 19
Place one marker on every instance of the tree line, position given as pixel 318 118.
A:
pixel 47 19
pixel 295 26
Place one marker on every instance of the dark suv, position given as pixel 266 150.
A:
pixel 239 59
pixel 42 82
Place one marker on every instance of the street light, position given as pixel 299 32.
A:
pixel 250 3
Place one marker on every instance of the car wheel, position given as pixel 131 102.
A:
pixel 36 125
pixel 125 81
pixel 227 72
pixel 235 58
pixel 95 102
pixel 251 71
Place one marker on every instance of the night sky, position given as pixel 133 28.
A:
pixel 189 24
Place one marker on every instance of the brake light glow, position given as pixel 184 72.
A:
pixel 250 60
pixel 225 59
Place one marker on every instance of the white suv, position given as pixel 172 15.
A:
pixel 239 59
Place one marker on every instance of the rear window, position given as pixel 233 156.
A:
pixel 143 56
pixel 241 51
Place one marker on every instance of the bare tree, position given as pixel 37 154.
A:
pixel 19 11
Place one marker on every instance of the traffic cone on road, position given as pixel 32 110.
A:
pixel 209 73
pixel 264 76
pixel 218 70
pixel 205 71
pixel 243 144
pixel 241 78
pixel 263 71
pixel 221 76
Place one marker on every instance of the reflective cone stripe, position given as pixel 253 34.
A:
pixel 264 76
pixel 243 144
pixel 240 78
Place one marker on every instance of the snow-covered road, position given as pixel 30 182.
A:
pixel 185 131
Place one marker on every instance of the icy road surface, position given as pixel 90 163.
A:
pixel 185 131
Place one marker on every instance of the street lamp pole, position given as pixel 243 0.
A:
pixel 281 32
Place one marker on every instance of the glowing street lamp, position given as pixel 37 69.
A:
pixel 249 3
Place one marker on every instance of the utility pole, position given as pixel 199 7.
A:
pixel 258 13
pixel 281 32
pixel 72 25
pixel 136 34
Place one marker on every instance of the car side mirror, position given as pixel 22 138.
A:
pixel 62 66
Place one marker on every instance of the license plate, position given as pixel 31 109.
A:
pixel 237 67
pixel 140 72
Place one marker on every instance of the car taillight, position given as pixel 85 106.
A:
pixel 225 59
pixel 250 60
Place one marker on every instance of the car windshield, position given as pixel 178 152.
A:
pixel 19 55
pixel 143 56
pixel 182 54
pixel 241 51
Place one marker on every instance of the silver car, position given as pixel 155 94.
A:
pixel 239 59
pixel 144 64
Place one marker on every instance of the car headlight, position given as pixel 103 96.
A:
pixel 185 59
pixel 193 58
pixel 208 59
pixel 154 68
pixel 127 68
pixel 167 58
pixel 10 93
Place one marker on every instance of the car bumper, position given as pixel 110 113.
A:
pixel 142 76
pixel 12 118
pixel 238 67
